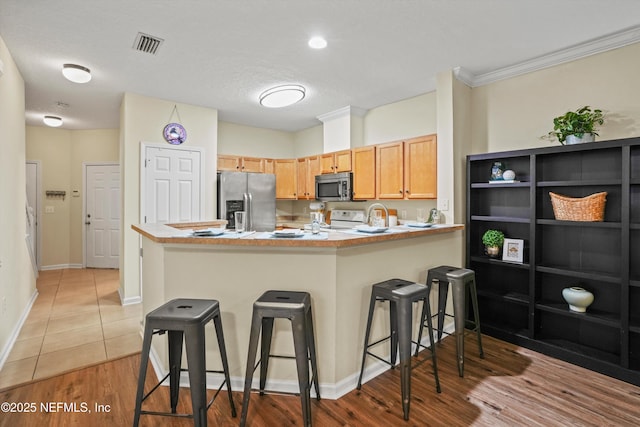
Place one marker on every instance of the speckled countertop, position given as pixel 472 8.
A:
pixel 180 234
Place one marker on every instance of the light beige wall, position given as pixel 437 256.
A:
pixel 403 119
pixel 514 113
pixel 253 141
pixel 142 120
pixel 461 148
pixel 17 280
pixel 62 153
pixel 53 148
pixel 308 142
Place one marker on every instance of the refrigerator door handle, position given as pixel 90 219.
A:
pixel 248 205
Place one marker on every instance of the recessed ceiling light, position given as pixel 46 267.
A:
pixel 52 121
pixel 76 73
pixel 317 43
pixel 282 96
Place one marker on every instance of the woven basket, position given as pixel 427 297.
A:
pixel 590 208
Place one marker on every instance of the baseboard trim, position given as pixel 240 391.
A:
pixel 60 267
pixel 130 300
pixel 16 331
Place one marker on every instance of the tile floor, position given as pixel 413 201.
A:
pixel 77 320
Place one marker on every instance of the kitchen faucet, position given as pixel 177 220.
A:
pixel 380 205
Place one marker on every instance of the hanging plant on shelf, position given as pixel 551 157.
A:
pixel 493 241
pixel 575 127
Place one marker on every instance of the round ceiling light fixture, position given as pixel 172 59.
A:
pixel 317 43
pixel 76 73
pixel 282 96
pixel 52 121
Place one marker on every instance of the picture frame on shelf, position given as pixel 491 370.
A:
pixel 513 250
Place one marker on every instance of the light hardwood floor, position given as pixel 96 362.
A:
pixel 76 320
pixel 512 386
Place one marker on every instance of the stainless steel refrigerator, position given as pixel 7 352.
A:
pixel 254 193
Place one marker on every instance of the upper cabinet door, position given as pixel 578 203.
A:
pixel 286 179
pixel 313 170
pixel 327 163
pixel 302 170
pixel 338 161
pixel 228 163
pixel 342 161
pixel 364 173
pixel 389 171
pixel 252 164
pixel 420 168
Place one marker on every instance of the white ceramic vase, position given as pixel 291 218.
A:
pixel 578 298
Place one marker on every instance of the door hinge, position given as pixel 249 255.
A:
pixel 140 252
pixel 145 219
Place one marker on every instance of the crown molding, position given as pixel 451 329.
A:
pixel 344 111
pixel 573 53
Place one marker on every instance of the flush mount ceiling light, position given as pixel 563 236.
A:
pixel 282 96
pixel 76 73
pixel 317 43
pixel 53 121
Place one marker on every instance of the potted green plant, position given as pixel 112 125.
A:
pixel 578 126
pixel 493 240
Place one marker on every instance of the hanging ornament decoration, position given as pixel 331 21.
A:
pixel 174 133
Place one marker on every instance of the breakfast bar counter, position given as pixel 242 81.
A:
pixel 337 268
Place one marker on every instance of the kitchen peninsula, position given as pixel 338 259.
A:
pixel 337 269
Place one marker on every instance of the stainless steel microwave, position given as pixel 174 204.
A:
pixel 334 187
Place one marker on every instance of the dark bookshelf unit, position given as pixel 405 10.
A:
pixel 522 302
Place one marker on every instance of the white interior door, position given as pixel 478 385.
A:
pixel 102 216
pixel 172 185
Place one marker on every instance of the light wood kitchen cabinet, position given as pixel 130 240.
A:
pixel 338 161
pixel 228 162
pixel 307 169
pixel 268 166
pixel 407 169
pixel 420 168
pixel 286 178
pixel 364 172
pixel 252 164
pixel 390 170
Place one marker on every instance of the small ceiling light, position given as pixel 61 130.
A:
pixel 282 96
pixel 317 43
pixel 76 73
pixel 52 121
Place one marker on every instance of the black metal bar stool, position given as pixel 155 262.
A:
pixel 401 295
pixel 184 318
pixel 295 306
pixel 461 280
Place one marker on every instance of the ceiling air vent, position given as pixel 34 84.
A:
pixel 146 43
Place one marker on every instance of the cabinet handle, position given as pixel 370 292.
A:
pixel 407 191
pixel 401 191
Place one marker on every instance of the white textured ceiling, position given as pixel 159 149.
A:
pixel 222 53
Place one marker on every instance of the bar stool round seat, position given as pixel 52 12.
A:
pixel 401 295
pixel 463 283
pixel 295 306
pixel 184 318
